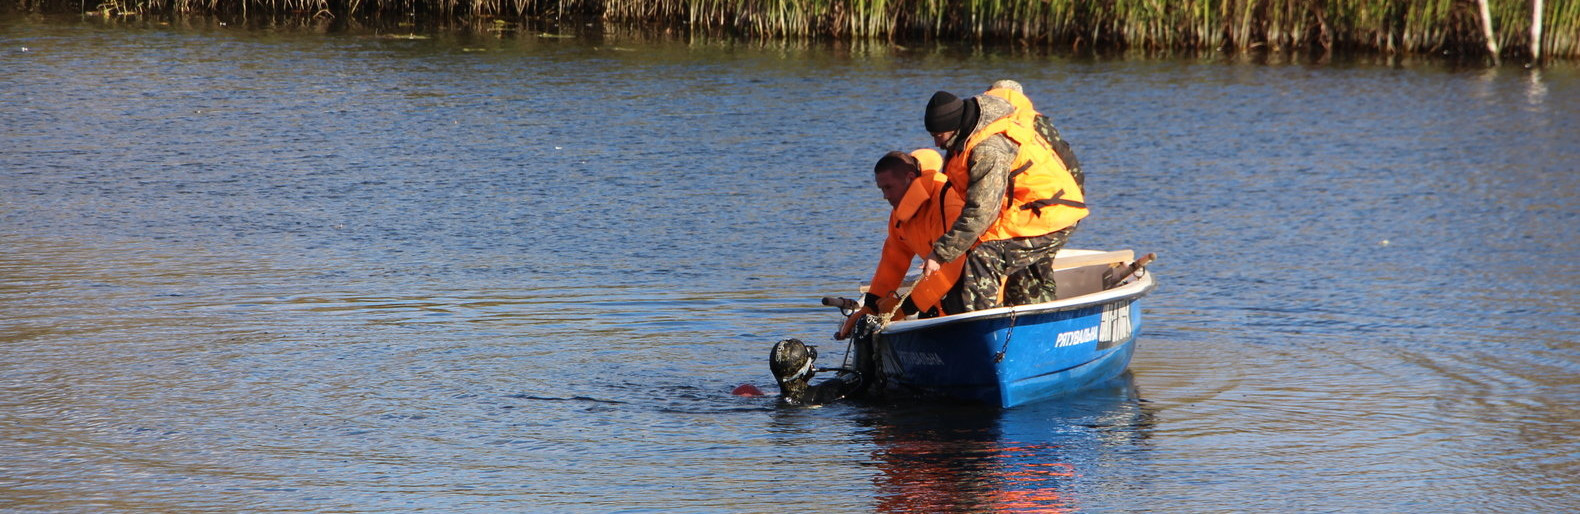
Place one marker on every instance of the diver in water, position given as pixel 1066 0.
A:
pixel 793 364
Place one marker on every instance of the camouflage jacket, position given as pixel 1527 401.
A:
pixel 989 167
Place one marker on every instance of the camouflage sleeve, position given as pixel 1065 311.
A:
pixel 989 168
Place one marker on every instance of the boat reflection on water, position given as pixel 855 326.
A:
pixel 965 458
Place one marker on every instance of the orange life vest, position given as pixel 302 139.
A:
pixel 1024 111
pixel 928 208
pixel 1041 196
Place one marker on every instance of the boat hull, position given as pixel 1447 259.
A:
pixel 1014 355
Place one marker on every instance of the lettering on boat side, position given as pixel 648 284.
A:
pixel 921 358
pixel 1116 326
pixel 1075 337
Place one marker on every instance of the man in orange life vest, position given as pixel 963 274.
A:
pixel 924 207
pixel 1021 202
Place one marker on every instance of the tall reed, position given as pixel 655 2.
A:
pixel 1387 26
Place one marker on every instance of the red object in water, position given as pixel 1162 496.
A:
pixel 747 390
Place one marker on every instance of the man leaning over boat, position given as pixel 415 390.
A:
pixel 1021 201
pixel 924 206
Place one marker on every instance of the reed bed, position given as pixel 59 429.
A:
pixel 1384 26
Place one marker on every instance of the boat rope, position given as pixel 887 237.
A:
pixel 885 317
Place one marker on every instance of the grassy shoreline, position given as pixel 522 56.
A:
pixel 1388 27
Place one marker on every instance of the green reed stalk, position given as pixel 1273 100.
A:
pixel 1387 26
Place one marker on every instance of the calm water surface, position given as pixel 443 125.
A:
pixel 272 270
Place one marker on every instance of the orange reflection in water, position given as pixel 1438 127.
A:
pixel 969 474
pixel 935 458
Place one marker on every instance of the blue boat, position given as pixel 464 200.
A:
pixel 1016 355
pixel 1006 356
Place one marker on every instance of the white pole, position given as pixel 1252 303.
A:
pixel 1486 31
pixel 1536 30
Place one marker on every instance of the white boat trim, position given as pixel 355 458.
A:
pixel 1136 287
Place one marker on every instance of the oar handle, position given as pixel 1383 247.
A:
pixel 1144 261
pixel 1113 277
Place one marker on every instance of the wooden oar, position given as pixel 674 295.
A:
pixel 1126 271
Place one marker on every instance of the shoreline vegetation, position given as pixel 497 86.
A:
pixel 1528 31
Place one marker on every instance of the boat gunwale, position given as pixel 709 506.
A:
pixel 1136 288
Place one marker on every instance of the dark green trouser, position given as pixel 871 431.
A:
pixel 1022 266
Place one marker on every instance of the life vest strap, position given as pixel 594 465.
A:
pixel 1037 205
pixel 1009 185
pixel 1017 171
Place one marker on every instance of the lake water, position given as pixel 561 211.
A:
pixel 279 270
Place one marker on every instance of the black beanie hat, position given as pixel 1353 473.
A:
pixel 945 112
